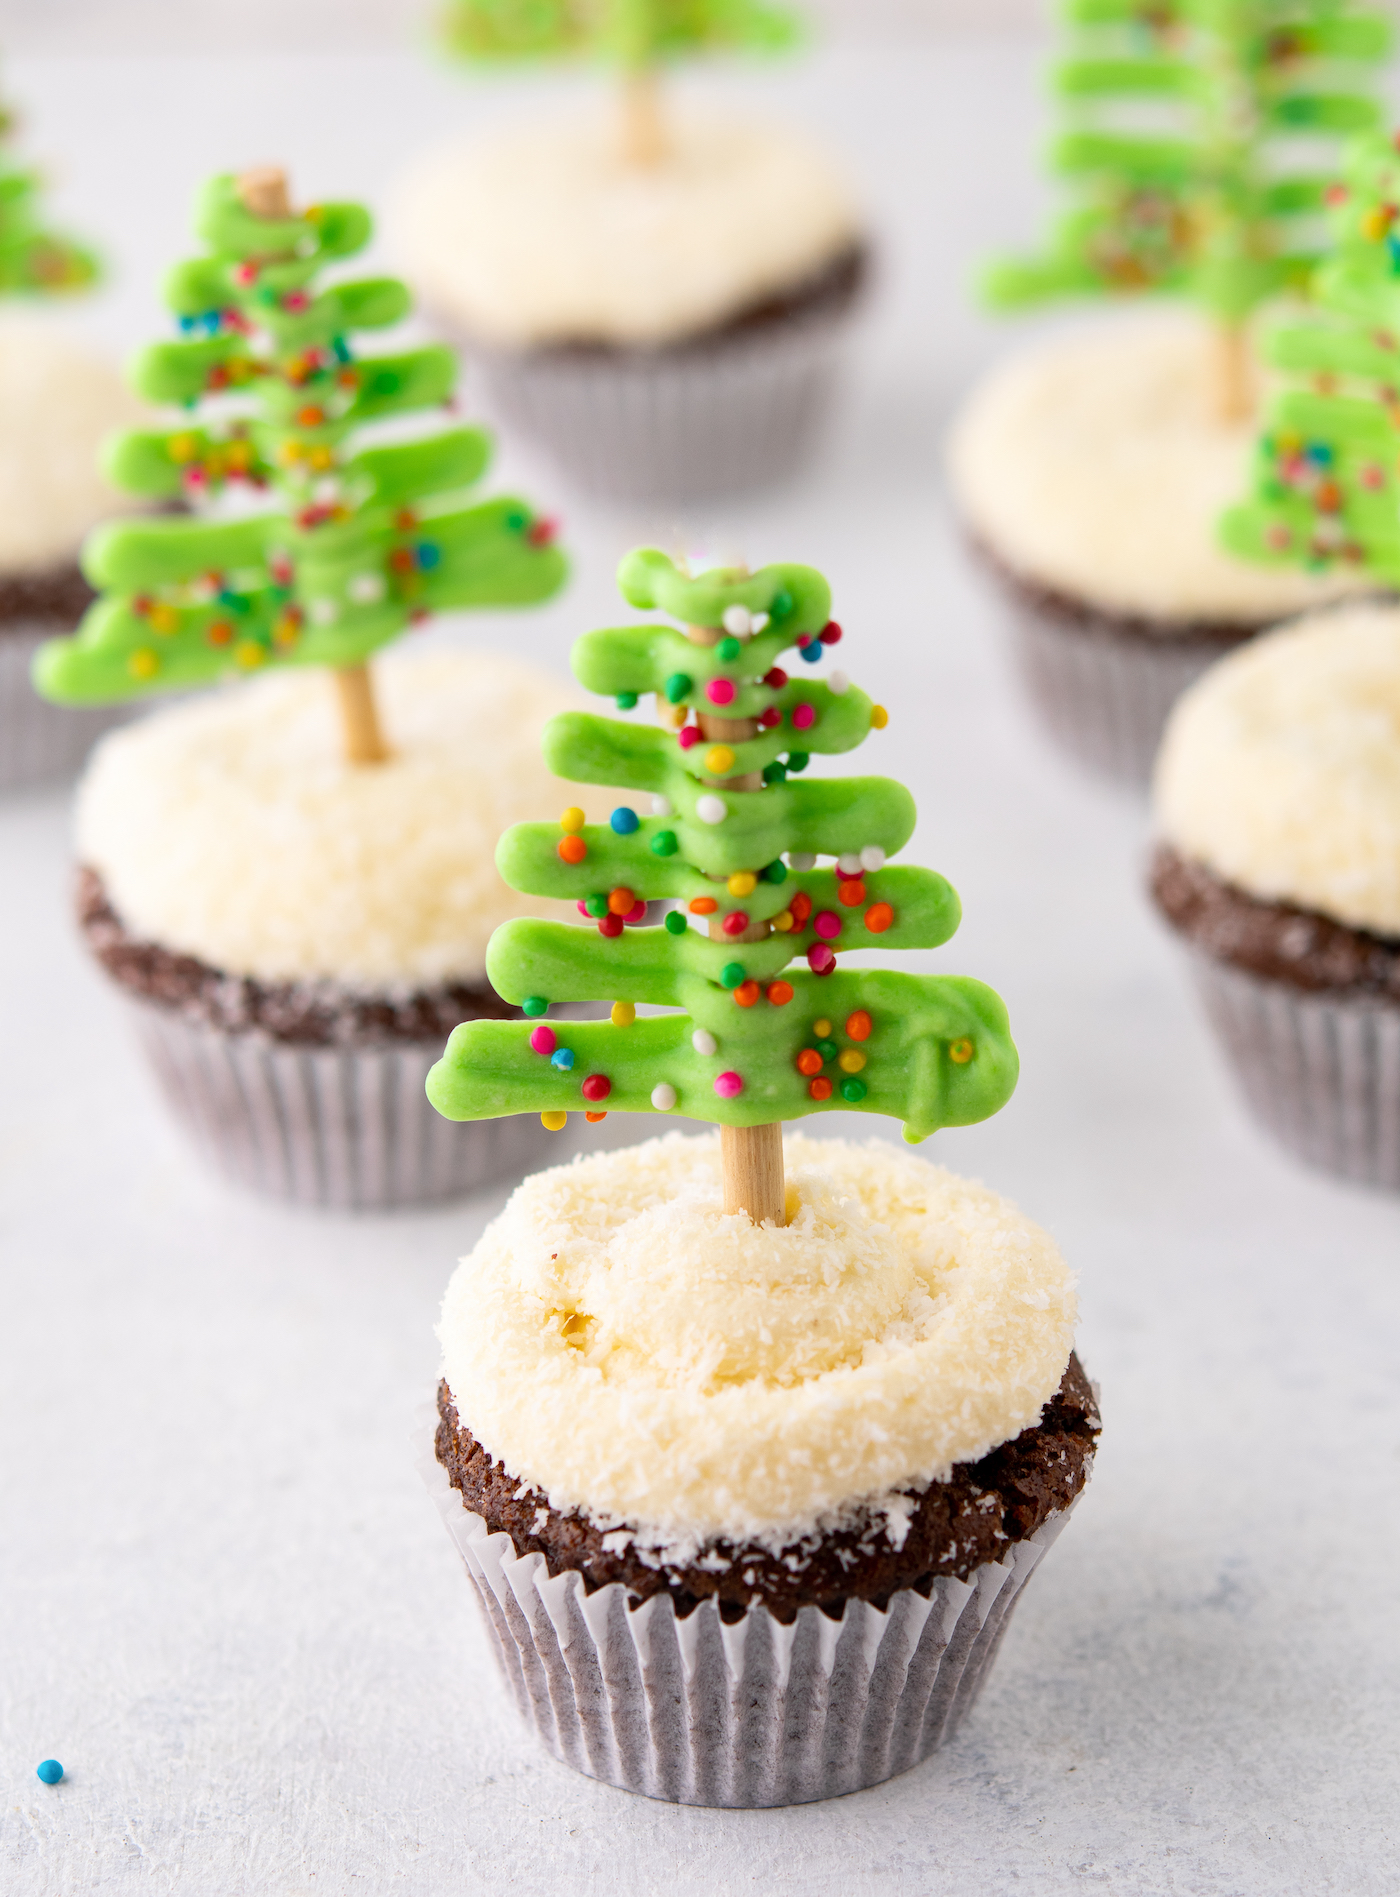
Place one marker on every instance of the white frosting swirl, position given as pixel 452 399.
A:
pixel 1096 464
pixel 629 1349
pixel 58 403
pixel 545 234
pixel 1280 768
pixel 231 828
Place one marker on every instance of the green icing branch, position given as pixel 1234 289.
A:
pixel 1184 121
pixel 1325 493
pixel 33 261
pixel 348 544
pixel 629 33
pixel 733 839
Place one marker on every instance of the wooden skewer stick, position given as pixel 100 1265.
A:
pixel 1234 392
pixel 751 1157
pixel 644 140
pixel 262 189
pixel 359 716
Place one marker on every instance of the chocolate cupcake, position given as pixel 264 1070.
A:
pixel 58 401
pixel 1277 803
pixel 747 1508
pixel 1090 475
pixel 668 329
pixel 295 935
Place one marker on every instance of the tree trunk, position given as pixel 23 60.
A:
pixel 644 141
pixel 1234 379
pixel 359 717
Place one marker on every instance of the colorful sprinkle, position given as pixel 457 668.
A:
pixel 775 679
pixel 735 922
pixel 621 900
pixel 853 1090
pixel 675 922
pixel 830 633
pixel 624 820
pixel 594 906
pixel 664 843
pixel 732 974
pixel 704 1042
pixel 809 1061
pixel 770 719
pixel 593 1118
pixel 663 1096
pixel 742 883
pixel 822 1029
pixel 878 917
pixel 820 1088
pixel 596 1087
pixel 687 736
pixel 872 857
pixel 801 859
pixel 783 921
pixel 775 773
pixel 879 717
pixel 627 701
pixel 849 863
pixel 801 906
pixel 534 1005
pixel 826 1048
pixel 812 652
pixel 804 716
pixel 960 1051
pixel 637 913
pixel 563 1059
pixel 677 687
pixel 851 894
pixel 838 683
pixel 572 849
pixel 774 872
pixel 623 1014
pixel 780 993
pixel 711 809
pixel 728 1084
pixel 729 650
pixel 50 1771
pixel 610 925
pixel 543 1039
pixel 827 924
pixel 554 1122
pixel 820 959
pixel 660 806
pixel 572 819
pixel 798 760
pixel 859 1025
pixel 720 691
pixel 851 1061
pixel 719 760
pixel 703 905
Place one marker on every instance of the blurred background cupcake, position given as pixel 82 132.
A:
pixel 58 399
pixel 1277 808
pixel 1090 472
pixel 659 295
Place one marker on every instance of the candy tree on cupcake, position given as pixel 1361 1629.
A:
pixel 1209 199
pixel 293 542
pixel 33 258
pixel 1325 493
pixel 728 827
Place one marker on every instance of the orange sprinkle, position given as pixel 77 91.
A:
pixel 801 907
pixel 310 416
pixel 878 917
pixel 572 849
pixel 820 1089
pixel 809 1061
pixel 595 1117
pixel 621 901
pixel 780 993
pixel 859 1025
pixel 747 993
pixel 703 906
pixel 852 892
pixel 961 1052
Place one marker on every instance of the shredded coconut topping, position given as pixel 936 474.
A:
pixel 1280 768
pixel 632 1350
pixel 1096 464
pixel 232 829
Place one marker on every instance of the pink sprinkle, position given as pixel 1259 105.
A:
pixel 720 691
pixel 820 959
pixel 803 716
pixel 637 913
pixel 542 1039
pixel 688 735
pixel 827 924
pixel 728 1084
pixel 296 301
pixel 583 910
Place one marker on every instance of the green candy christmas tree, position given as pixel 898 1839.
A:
pixel 637 37
pixel 1325 490
pixel 1184 122
pixel 32 259
pixel 746 1045
pixel 357 541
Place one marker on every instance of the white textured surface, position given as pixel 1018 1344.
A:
pixel 229 1607
pixel 546 233
pixel 1097 464
pixel 627 1347
pixel 1280 767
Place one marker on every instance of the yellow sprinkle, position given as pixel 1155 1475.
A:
pixel 163 618
pixel 249 654
pixel 879 717
pixel 821 1029
pixel 719 760
pixel 851 1061
pixel 321 457
pixel 743 883
pixel 677 715
pixel 623 1014
pixel 572 819
pixel 554 1122
pixel 782 922
pixel 961 1052
pixel 143 663
pixel 183 448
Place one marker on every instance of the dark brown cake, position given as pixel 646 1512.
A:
pixel 56 596
pixel 955 1527
pixel 1276 940
pixel 301 1013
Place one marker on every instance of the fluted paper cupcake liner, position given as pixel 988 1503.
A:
pixel 40 741
pixel 1104 697
pixel 343 1127
pixel 1320 1071
pixel 745 1713
pixel 674 424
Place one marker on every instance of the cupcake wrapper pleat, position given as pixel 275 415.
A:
pixel 1104 697
pixel 752 1712
pixel 40 741
pixel 343 1127
pixel 674 425
pixel 1321 1072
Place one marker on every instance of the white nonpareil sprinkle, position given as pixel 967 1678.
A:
pixel 801 859
pixel 737 621
pixel 839 683
pixel 710 809
pixel 660 806
pixel 324 612
pixel 704 1042
pixel 872 857
pixel 849 864
pixel 365 588
pixel 663 1096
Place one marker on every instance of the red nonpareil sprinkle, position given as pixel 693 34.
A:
pixel 776 679
pixel 830 633
pixel 596 1087
pixel 610 924
pixel 769 720
pixel 800 907
pixel 542 532
pixel 735 922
